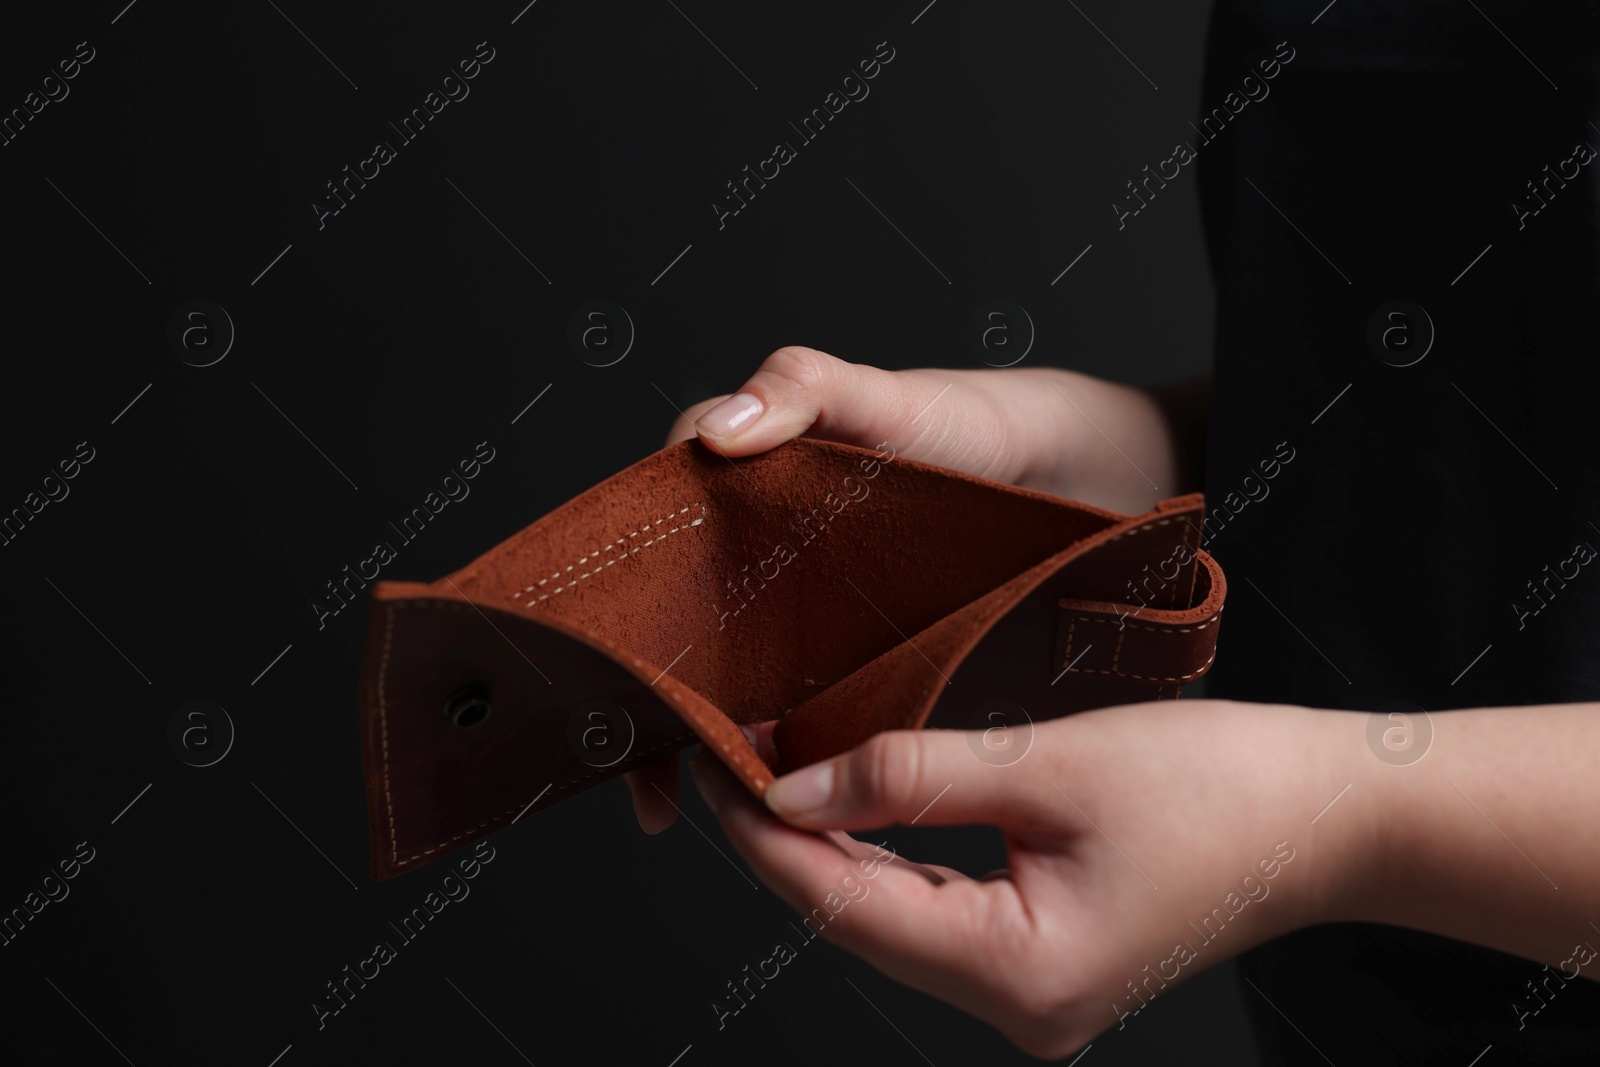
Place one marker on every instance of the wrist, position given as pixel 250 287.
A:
pixel 1048 455
pixel 1099 441
pixel 1353 829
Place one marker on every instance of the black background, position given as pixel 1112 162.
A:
pixel 376 353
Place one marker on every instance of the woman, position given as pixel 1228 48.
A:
pixel 1401 221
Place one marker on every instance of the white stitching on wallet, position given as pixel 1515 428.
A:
pixel 1152 629
pixel 1073 623
pixel 383 720
pixel 1137 529
pixel 1147 677
pixel 633 551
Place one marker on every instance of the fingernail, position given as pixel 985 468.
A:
pixel 802 793
pixel 749 735
pixel 731 416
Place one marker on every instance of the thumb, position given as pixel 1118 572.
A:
pixel 803 391
pixel 930 777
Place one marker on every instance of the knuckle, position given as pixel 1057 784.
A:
pixel 1041 1008
pixel 804 369
pixel 1048 1023
pixel 1047 1045
pixel 889 769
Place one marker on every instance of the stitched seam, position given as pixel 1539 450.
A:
pixel 1152 678
pixel 1116 655
pixel 1194 570
pixel 1172 597
pixel 383 722
pixel 710 646
pixel 633 551
pixel 1138 529
pixel 1140 626
pixel 1183 542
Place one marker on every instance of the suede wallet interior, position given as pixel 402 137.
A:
pixel 840 591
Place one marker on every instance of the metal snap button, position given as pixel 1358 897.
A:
pixel 468 706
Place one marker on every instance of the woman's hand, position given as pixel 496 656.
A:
pixel 1150 841
pixel 1042 428
pixel 1146 843
pixel 1037 427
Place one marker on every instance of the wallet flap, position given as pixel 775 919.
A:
pixel 469 732
pixel 1167 648
pixel 841 590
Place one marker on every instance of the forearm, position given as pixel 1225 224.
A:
pixel 1492 838
pixel 1117 446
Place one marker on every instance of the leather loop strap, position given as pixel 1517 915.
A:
pixel 1141 643
pixel 838 590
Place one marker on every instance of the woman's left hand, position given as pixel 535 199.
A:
pixel 1146 843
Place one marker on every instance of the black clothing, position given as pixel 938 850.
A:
pixel 1406 152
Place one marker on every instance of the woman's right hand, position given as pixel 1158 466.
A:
pixel 1041 428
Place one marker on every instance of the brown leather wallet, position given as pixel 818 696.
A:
pixel 838 590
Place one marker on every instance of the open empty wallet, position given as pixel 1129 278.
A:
pixel 838 590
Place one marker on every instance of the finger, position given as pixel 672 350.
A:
pixel 930 777
pixel 761 739
pixel 876 905
pixel 803 391
pixel 948 940
pixel 655 794
pixel 861 849
pixel 683 426
pixel 858 849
